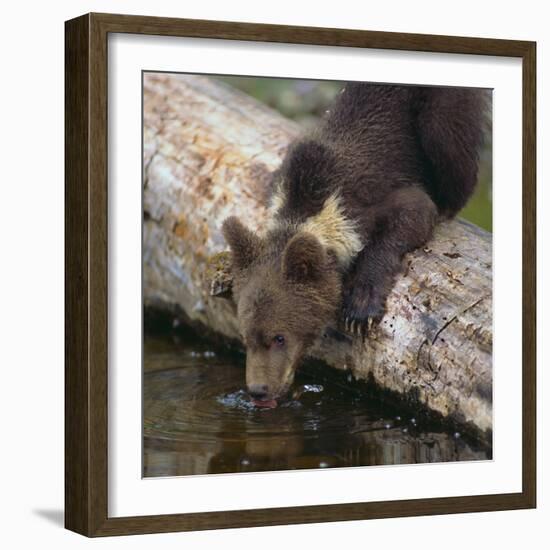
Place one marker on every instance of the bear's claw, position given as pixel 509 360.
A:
pixel 362 311
pixel 359 327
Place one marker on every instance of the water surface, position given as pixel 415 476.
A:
pixel 198 420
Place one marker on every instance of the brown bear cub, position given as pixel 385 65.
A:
pixel 350 199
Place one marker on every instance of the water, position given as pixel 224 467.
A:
pixel 198 420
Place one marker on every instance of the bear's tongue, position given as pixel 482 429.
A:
pixel 268 403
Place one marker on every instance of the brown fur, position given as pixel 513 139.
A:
pixel 288 290
pixel 351 199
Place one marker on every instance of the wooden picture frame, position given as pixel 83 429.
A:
pixel 86 280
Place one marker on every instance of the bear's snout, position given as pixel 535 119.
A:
pixel 258 391
pixel 259 396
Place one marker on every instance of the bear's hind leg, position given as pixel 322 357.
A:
pixel 404 221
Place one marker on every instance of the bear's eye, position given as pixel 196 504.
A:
pixel 279 340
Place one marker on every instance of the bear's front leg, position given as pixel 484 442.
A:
pixel 404 221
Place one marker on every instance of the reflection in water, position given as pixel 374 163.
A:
pixel 198 420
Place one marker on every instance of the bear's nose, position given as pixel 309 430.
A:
pixel 257 391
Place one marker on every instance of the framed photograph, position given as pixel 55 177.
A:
pixel 284 302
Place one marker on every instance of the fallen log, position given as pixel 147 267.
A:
pixel 208 154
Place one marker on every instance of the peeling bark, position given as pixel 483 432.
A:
pixel 208 153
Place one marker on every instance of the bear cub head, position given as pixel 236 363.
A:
pixel 287 289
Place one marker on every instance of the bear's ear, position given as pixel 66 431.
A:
pixel 304 258
pixel 245 245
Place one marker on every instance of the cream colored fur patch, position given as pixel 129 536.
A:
pixel 334 230
pixel 277 199
pixel 275 204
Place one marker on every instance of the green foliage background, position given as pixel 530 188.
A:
pixel 306 100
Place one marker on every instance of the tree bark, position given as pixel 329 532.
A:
pixel 208 154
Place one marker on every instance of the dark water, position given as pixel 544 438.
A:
pixel 198 420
